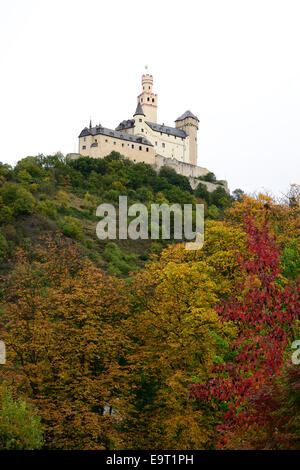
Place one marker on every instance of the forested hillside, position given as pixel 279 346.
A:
pixel 41 195
pixel 143 344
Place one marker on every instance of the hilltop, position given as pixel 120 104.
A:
pixel 43 195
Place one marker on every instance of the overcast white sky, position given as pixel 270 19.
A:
pixel 235 64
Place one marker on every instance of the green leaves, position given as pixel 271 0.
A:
pixel 20 425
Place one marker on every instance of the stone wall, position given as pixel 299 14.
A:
pixel 191 171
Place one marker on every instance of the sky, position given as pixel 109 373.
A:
pixel 235 64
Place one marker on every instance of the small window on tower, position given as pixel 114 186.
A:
pixel 152 100
pixel 163 145
pixel 142 130
pixel 83 147
pixel 132 146
pixel 148 99
pixel 140 120
pixel 149 88
pixel 147 149
pixel 84 139
pixel 140 147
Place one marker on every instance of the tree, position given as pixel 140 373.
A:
pixel 202 192
pixel 62 325
pixel 20 426
pixel 265 312
pixel 176 331
pixel 237 195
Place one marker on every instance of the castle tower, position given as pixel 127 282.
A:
pixel 139 119
pixel 148 99
pixel 188 122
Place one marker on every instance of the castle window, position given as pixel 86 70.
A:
pixel 163 145
pixel 83 147
pixel 96 140
pixel 147 149
pixel 140 120
pixel 142 130
pixel 155 143
pixel 122 145
pixel 114 143
pixel 132 146
pixel 105 140
pixel 140 147
pixel 84 139
pixel 148 99
pixel 152 100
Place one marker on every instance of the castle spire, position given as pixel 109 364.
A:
pixel 139 110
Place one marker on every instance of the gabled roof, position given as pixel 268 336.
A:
pixel 187 114
pixel 125 125
pixel 167 129
pixel 139 110
pixel 99 130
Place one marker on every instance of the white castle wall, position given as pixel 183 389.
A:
pixel 186 169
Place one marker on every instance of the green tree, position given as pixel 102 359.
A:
pixel 20 425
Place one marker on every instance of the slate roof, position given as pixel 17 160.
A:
pixel 100 130
pixel 139 110
pixel 186 115
pixel 125 125
pixel 167 129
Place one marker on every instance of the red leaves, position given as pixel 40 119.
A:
pixel 265 312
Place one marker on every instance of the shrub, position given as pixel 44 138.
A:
pixel 220 198
pixel 47 209
pixel 20 425
pixel 63 198
pixel 213 212
pixel 72 227
pixel 118 262
pixel 3 247
pixel 202 192
pixel 210 177
pixel 175 179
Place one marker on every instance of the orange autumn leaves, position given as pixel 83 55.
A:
pixel 80 342
pixel 64 344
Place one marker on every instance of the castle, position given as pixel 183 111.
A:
pixel 142 139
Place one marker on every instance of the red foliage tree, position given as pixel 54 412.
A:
pixel 265 310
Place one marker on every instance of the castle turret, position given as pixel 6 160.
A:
pixel 139 120
pixel 148 99
pixel 189 123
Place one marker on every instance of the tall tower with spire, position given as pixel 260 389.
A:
pixel 148 99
